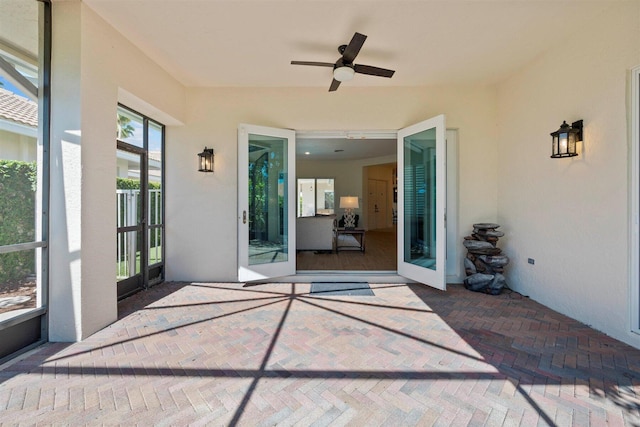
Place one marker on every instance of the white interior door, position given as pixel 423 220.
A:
pixel 422 202
pixel 266 203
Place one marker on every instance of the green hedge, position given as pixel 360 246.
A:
pixel 17 217
pixel 133 184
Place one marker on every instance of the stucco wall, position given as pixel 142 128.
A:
pixel 571 215
pixel 88 80
pixel 202 208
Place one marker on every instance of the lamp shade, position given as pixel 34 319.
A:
pixel 349 202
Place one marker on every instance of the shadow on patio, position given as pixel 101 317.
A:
pixel 269 354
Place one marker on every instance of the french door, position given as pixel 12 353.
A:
pixel 422 202
pixel 266 203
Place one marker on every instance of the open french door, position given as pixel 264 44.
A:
pixel 422 202
pixel 266 203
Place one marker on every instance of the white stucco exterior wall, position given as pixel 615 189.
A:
pixel 88 78
pixel 202 208
pixel 571 215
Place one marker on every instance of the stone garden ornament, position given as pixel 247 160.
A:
pixel 484 263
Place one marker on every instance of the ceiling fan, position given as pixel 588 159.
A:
pixel 344 69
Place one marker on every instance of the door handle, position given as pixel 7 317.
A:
pixel 244 217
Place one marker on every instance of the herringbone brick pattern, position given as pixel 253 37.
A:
pixel 224 354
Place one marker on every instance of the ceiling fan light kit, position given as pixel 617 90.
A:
pixel 344 69
pixel 343 74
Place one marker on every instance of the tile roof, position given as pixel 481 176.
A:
pixel 18 109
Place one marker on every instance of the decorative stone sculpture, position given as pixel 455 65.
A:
pixel 484 263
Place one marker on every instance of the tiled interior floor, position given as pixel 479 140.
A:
pixel 224 354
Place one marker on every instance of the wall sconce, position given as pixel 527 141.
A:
pixel 205 160
pixel 564 140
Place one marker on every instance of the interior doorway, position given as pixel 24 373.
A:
pixel 377 212
pixel 364 164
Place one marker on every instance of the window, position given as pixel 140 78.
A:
pixel 315 196
pixel 24 172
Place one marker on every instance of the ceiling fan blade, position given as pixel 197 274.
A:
pixel 334 85
pixel 353 48
pixel 373 71
pixel 317 64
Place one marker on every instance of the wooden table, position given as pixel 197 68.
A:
pixel 359 233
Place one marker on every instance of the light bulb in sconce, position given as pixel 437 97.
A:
pixel 564 141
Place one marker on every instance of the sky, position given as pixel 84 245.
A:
pixel 6 84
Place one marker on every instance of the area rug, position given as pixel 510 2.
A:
pixel 341 288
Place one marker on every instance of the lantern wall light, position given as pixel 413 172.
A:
pixel 565 139
pixel 205 160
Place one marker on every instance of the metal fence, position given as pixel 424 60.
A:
pixel 128 243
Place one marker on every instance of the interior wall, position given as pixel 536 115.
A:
pixel 88 77
pixel 348 175
pixel 209 251
pixel 571 215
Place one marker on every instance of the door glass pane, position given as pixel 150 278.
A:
pixel 155 245
pixel 128 258
pixel 155 174
pixel 267 216
pixel 155 138
pixel 129 208
pixel 155 193
pixel 420 199
pixel 130 127
pixel 18 187
pixel 18 284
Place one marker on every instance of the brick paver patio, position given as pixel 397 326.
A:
pixel 224 354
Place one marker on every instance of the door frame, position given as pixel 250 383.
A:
pixel 453 272
pixel 150 274
pixel 634 198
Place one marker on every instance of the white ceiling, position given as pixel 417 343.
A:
pixel 209 43
pixel 429 42
pixel 352 149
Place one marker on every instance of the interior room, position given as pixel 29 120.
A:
pixel 364 168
